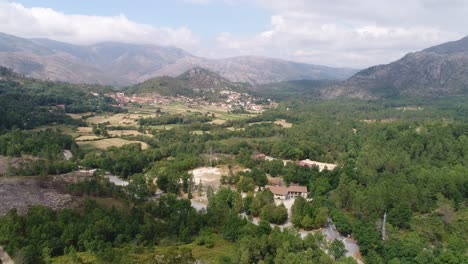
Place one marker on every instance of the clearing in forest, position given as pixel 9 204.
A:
pixel 85 130
pixel 122 119
pixel 120 133
pixel 208 176
pixel 283 123
pixel 110 142
pixel 86 138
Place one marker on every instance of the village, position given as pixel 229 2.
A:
pixel 228 100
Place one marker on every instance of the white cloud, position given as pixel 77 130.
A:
pixel 352 33
pixel 345 33
pixel 47 23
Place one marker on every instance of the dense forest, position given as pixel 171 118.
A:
pixel 404 158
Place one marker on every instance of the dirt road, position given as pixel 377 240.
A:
pixel 4 258
pixel 352 248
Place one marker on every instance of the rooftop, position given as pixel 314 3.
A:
pixel 279 190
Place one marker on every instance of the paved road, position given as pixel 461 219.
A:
pixel 116 180
pixel 197 205
pixel 352 248
pixel 330 233
pixel 4 258
pixel 67 154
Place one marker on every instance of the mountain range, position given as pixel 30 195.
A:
pixel 437 71
pixel 441 70
pixel 123 64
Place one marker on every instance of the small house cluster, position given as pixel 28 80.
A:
pixel 286 193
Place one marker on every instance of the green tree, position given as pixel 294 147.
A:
pixel 337 249
pixel 138 187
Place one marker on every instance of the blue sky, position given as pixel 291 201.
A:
pixel 338 33
pixel 206 20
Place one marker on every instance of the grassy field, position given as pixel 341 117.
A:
pixel 85 130
pixel 87 138
pixel 180 108
pixel 199 132
pixel 218 122
pixel 165 127
pixel 207 255
pixel 234 141
pixel 283 123
pixel 82 257
pixel 120 133
pixel 131 118
pixel 109 142
pixel 127 119
pixel 65 129
pixel 79 116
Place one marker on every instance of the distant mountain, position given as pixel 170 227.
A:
pixel 196 81
pixel 437 71
pixel 258 70
pixel 104 63
pixel 126 64
pixel 297 89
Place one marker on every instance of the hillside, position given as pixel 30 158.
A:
pixel 27 103
pixel 124 64
pixel 437 71
pixel 194 81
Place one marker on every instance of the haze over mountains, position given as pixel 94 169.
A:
pixel 437 71
pixel 124 64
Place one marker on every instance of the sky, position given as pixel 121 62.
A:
pixel 337 33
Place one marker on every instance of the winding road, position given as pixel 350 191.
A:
pixel 352 248
pixel 330 233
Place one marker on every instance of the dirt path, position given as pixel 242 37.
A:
pixel 4 257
